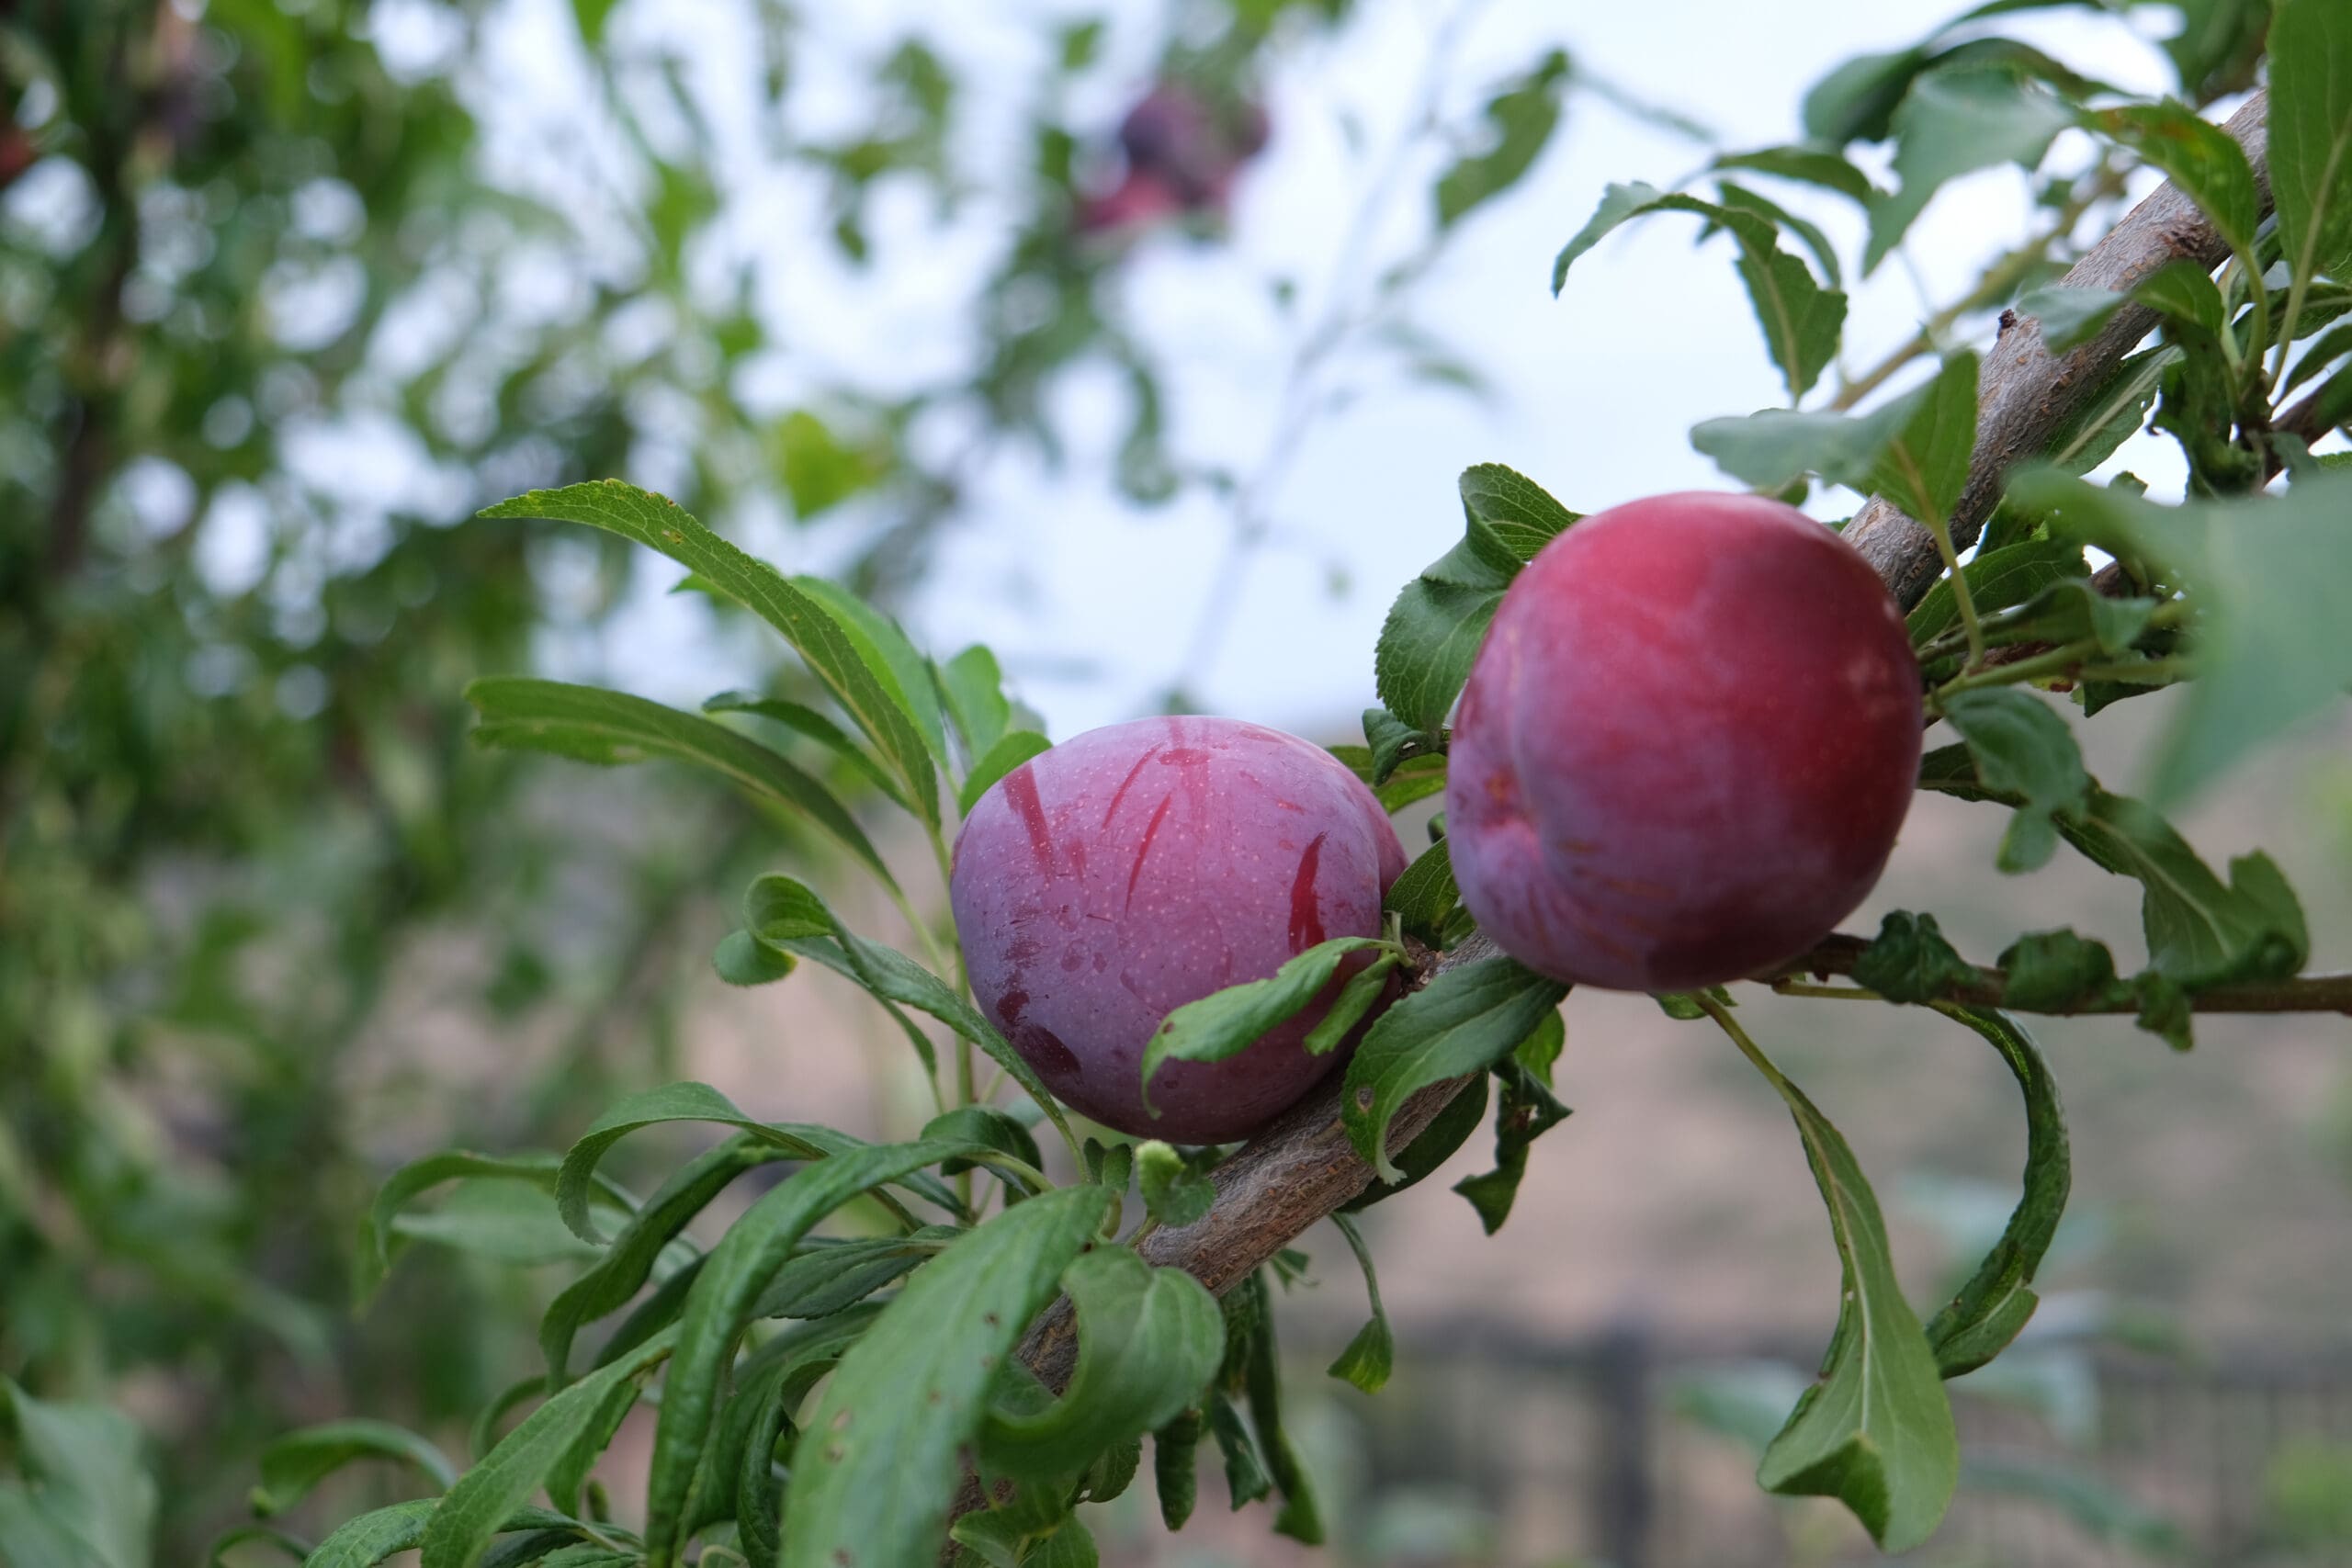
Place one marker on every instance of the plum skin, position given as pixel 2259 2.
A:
pixel 1143 866
pixel 1686 745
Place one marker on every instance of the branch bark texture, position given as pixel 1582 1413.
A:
pixel 2026 393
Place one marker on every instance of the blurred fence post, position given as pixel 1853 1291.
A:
pixel 1624 1495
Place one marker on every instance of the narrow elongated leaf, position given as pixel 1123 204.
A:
pixel 1978 1323
pixel 876 1468
pixel 420 1177
pixel 1175 1468
pixel 622 1272
pixel 1909 961
pixel 684 1101
pixel 477 1507
pixel 1463 1021
pixel 2023 747
pixel 896 667
pixel 734 1276
pixel 805 720
pixel 1150 1340
pixel 1299 1517
pixel 386 1532
pixel 296 1462
pixel 2310 135
pixel 1774 449
pixel 838 1275
pixel 1425 897
pixel 1225 1024
pixel 1876 1429
pixel 590 725
pixel 1371 1355
pixel 2185 294
pixel 1925 467
pixel 1246 1480
pixel 819 638
pixel 897 981
pixel 1362 993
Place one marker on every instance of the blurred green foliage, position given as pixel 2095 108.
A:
pixel 270 323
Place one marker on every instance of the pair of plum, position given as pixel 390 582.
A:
pixel 1682 755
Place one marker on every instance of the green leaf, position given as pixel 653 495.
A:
pixel 1425 897
pixel 1175 1468
pixel 1909 961
pixel 1149 1342
pixel 2268 576
pixel 898 981
pixel 421 1176
pixel 1434 629
pixel 1978 1323
pixel 1876 1429
pixel 821 640
pixel 2055 971
pixel 1808 165
pixel 2202 159
pixel 1371 1355
pixel 986 1125
pixel 1808 234
pixel 1244 1477
pixel 614 1282
pixel 834 1275
pixel 1013 748
pixel 1997 579
pixel 296 1462
pixel 2201 932
pixel 1801 318
pixel 1540 1051
pixel 2070 610
pixel 86 1500
pixel 1463 1021
pixel 1225 1024
pixel 1925 467
pixel 1438 1142
pixel 818 468
pixel 973 689
pixel 742 959
pixel 1774 449
pixel 1173 1193
pixel 1520 122
pixel 386 1532
pixel 589 724
pixel 1363 991
pixel 808 721
pixel 1298 1517
pixel 876 1465
pixel 479 1505
pixel 1953 121
pixel 2023 747
pixel 896 667
pixel 2185 294
pixel 719 1306
pixel 2070 315
pixel 499 1220
pixel 2310 135
pixel 685 1101
pixel 1526 1113
pixel 1394 743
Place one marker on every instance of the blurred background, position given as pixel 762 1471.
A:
pixel 1141 340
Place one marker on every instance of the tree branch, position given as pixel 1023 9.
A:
pixel 1836 954
pixel 2025 395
